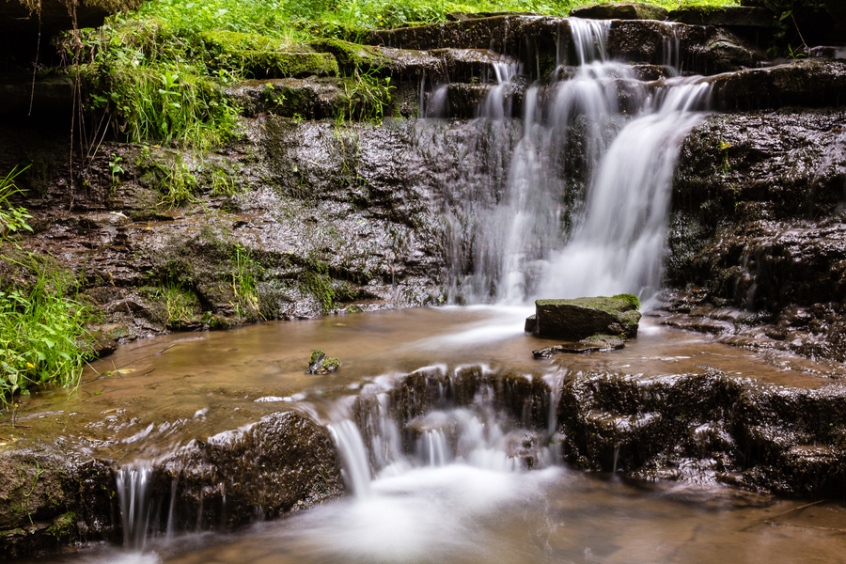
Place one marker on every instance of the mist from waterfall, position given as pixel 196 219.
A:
pixel 585 204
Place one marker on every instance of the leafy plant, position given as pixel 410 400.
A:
pixel 43 335
pixel 13 219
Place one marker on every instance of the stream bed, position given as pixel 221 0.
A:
pixel 454 495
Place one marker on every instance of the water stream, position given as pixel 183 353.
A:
pixel 465 482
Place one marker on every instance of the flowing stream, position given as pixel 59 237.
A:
pixel 461 482
pixel 475 484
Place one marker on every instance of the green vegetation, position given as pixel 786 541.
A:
pixel 159 74
pixel 244 284
pixel 43 337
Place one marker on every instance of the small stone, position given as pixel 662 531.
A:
pixel 320 363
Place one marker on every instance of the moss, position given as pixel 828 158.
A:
pixel 352 55
pixel 264 57
pixel 631 299
pixel 63 526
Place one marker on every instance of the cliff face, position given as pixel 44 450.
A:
pixel 307 213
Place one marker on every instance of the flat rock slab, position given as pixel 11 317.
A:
pixel 727 16
pixel 597 343
pixel 620 11
pixel 580 318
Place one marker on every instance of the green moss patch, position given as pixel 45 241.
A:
pixel 264 57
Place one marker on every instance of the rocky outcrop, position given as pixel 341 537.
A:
pixel 758 226
pixel 52 499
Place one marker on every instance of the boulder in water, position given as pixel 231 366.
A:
pixel 620 11
pixel 580 318
pixel 321 363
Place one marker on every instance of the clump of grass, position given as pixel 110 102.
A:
pixel 180 305
pixel 245 271
pixel 43 335
pixel 167 172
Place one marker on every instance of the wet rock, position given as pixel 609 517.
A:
pixel 811 83
pixel 50 500
pixel 290 97
pixel 758 220
pixel 620 11
pixel 724 16
pixel 827 52
pixel 321 363
pixel 701 50
pixel 284 462
pixel 582 317
pixel 595 343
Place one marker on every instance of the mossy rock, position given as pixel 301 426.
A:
pixel 580 318
pixel 353 56
pixel 620 11
pixel 265 57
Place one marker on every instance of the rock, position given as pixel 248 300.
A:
pixel 810 83
pixel 701 50
pixel 580 318
pixel 320 363
pixel 596 343
pixel 619 11
pixel 264 57
pixel 726 16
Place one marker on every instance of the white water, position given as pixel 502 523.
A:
pixel 134 496
pixel 543 239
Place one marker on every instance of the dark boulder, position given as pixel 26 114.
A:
pixel 726 16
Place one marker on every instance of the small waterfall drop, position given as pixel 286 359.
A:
pixel 476 435
pixel 498 103
pixel 133 489
pixel 356 469
pixel 619 246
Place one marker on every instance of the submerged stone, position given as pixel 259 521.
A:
pixel 581 318
pixel 620 11
pixel 595 343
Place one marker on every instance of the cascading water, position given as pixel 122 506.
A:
pixel 619 246
pixel 134 496
pixel 475 435
pixel 587 197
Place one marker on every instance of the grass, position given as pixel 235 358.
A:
pixel 43 336
pixel 245 271
pixel 158 73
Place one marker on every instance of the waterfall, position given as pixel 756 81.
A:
pixel 133 489
pixel 620 244
pixel 356 469
pixel 585 207
pixel 497 104
pixel 476 435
